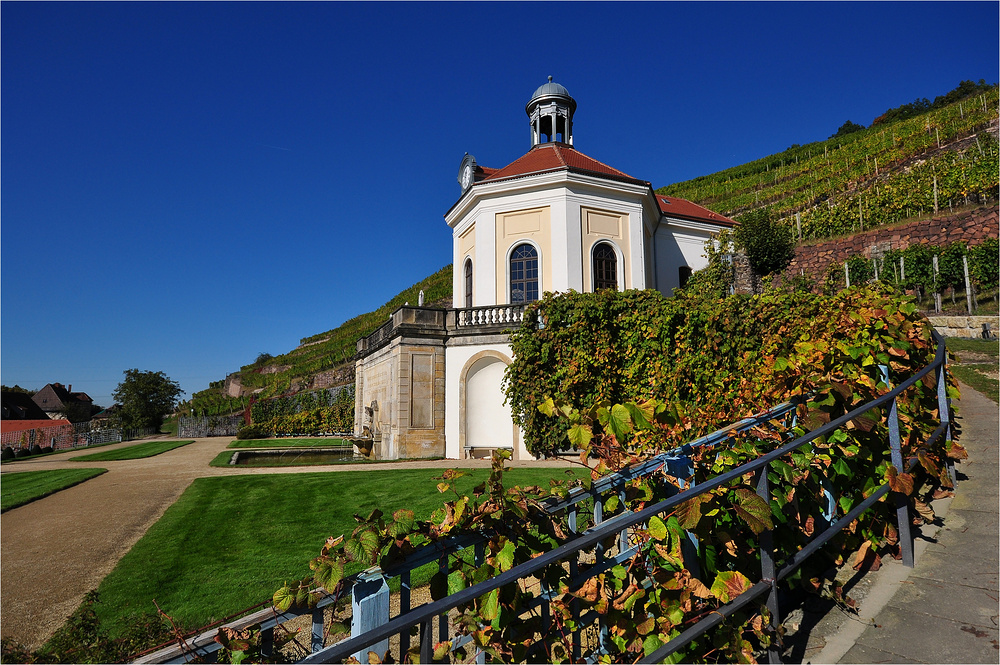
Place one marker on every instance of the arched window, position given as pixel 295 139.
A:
pixel 468 282
pixel 684 275
pixel 523 274
pixel 605 267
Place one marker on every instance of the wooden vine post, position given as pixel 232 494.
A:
pixel 968 286
pixel 937 291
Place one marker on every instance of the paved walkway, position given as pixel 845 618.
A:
pixel 56 549
pixel 945 609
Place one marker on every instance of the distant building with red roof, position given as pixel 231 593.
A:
pixel 17 434
pixel 21 425
pixel 59 401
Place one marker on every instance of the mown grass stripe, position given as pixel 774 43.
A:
pixel 139 451
pixel 18 489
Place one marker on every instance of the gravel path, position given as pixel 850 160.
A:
pixel 56 549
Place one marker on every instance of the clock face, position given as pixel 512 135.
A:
pixel 467 172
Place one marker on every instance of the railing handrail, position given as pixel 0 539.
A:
pixel 595 535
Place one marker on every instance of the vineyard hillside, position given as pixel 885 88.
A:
pixel 942 158
pixel 913 160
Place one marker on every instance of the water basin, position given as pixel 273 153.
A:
pixel 294 457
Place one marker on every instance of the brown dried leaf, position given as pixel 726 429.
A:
pixel 957 451
pixel 867 558
pixel 698 588
pixel 859 556
pixel 899 482
pixel 590 590
pixel 924 510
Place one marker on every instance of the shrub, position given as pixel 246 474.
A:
pixel 983 263
pixel 253 432
pixel 8 453
pixel 861 270
pixel 36 449
pixel 711 359
pixel 46 449
pixel 22 452
pixel 769 244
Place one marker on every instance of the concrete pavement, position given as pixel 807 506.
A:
pixel 946 608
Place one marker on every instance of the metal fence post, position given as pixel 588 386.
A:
pixel 316 642
pixel 902 502
pixel 267 642
pixel 765 543
pixel 370 609
pixel 426 641
pixel 944 414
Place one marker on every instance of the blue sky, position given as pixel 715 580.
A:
pixel 186 185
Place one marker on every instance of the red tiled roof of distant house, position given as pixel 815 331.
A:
pixel 546 157
pixel 684 209
pixel 19 425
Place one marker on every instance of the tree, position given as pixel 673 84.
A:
pixel 145 398
pixel 17 389
pixel 769 245
pixel 848 128
pixel 79 412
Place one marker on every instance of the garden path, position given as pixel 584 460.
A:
pixel 54 550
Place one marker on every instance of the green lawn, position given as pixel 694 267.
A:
pixel 231 542
pixel 329 442
pixel 138 451
pixel 959 344
pixel 17 489
pixel 976 364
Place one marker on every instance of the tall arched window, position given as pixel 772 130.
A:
pixel 468 282
pixel 523 274
pixel 605 267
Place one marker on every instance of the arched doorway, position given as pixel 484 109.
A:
pixel 486 422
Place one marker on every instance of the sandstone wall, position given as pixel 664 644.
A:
pixel 970 227
pixel 965 326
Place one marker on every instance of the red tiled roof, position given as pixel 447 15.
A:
pixel 19 425
pixel 546 157
pixel 674 207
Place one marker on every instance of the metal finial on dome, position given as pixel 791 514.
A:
pixel 550 78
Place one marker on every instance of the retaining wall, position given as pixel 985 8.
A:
pixel 964 326
pixel 969 226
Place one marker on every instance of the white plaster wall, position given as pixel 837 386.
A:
pixel 563 261
pixel 489 423
pixel 675 248
pixel 456 358
pixel 629 205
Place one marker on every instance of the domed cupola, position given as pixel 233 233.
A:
pixel 551 113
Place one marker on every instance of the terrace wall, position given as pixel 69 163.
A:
pixel 969 226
